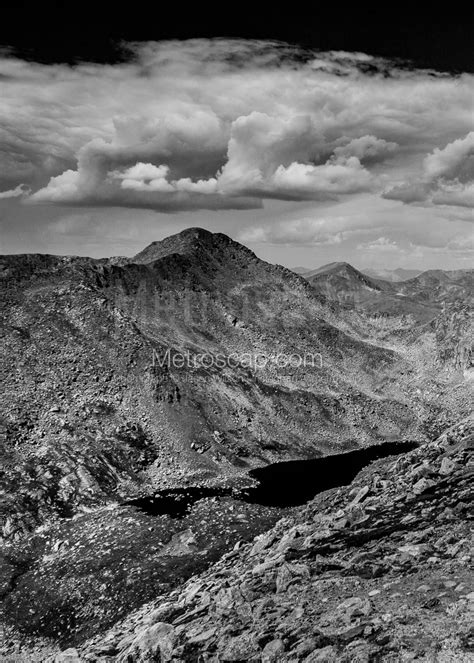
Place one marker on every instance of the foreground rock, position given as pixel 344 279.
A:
pixel 378 571
pixel 116 559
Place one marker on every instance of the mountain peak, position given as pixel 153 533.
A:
pixel 333 267
pixel 190 241
pixel 195 233
pixel 184 242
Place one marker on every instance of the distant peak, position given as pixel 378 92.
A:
pixel 337 265
pixel 334 267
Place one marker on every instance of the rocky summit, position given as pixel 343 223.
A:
pixel 162 503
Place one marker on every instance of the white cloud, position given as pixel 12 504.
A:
pixel 144 177
pixel 271 156
pixel 142 185
pixel 447 177
pixel 147 177
pixel 233 122
pixel 333 177
pixel 62 187
pixel 260 143
pixel 454 161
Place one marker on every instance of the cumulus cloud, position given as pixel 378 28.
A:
pixel 277 157
pixel 217 124
pixel 344 176
pixel 147 177
pixel 455 161
pixel 142 185
pixel 144 177
pixel 259 143
pixel 447 177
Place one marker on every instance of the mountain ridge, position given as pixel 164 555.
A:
pixel 224 301
pixel 94 414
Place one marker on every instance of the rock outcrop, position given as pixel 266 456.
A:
pixel 378 571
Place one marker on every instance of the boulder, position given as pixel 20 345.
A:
pixel 155 643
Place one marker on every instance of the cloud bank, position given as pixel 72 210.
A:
pixel 219 124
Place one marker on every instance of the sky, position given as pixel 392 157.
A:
pixel 309 145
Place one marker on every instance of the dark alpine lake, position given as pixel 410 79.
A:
pixel 285 484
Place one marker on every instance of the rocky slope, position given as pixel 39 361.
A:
pixel 378 571
pixel 91 413
pixel 94 417
pixel 426 319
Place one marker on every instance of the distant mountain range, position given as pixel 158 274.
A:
pixel 394 275
pixel 420 297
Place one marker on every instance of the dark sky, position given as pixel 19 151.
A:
pixel 72 31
